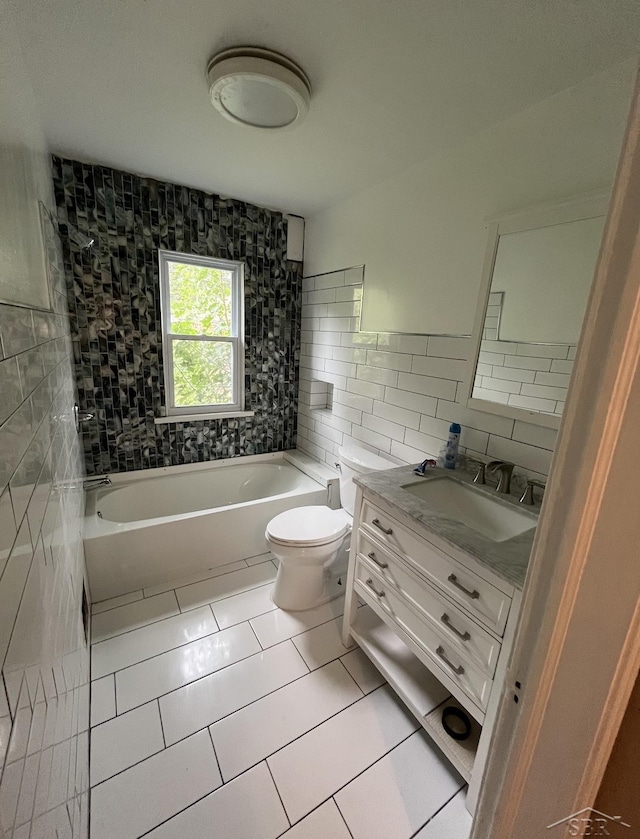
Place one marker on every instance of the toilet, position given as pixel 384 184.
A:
pixel 312 543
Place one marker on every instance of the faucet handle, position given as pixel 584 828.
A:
pixel 528 495
pixel 480 465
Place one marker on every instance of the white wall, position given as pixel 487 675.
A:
pixel 394 394
pixel 421 235
pixel 44 659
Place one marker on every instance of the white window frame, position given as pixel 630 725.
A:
pixel 166 258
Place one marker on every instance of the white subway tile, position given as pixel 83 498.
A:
pixel 543 350
pixel 348 292
pixel 412 401
pixel 383 426
pixel 393 413
pixel 406 453
pixel 503 385
pixel 346 413
pixel 474 440
pixel 310 324
pixel 378 374
pixel 412 344
pixel 535 435
pixel 528 457
pixel 442 368
pixel 333 379
pixel 527 362
pixel 491 358
pixel 308 284
pixel 553 379
pixel 532 403
pixel 490 395
pixel 359 339
pixel 445 347
pixel 354 400
pixel 513 374
pixel 562 367
pixel 427 385
pixel 364 388
pixel 544 391
pixel 325 295
pixel 389 360
pixel 350 354
pixel 332 280
pixel 372 438
pixel 572 353
pixel 314 364
pixel 316 310
pixel 340 368
pixel 318 351
pixel 347 309
pixel 426 443
pixel 354 276
pixel 506 347
pixel 329 338
pixel 437 428
pixel 331 324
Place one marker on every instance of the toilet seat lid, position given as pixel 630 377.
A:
pixel 308 526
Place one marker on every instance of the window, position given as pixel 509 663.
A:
pixel 202 331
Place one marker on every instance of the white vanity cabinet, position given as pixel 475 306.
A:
pixel 435 622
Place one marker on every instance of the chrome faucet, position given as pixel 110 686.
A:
pixel 528 495
pixel 506 470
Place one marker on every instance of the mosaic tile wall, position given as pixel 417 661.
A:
pixel 114 307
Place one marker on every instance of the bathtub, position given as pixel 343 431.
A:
pixel 146 529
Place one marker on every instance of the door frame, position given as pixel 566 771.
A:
pixel 577 650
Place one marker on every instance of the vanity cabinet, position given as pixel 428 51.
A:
pixel 435 622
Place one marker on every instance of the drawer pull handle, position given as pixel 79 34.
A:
pixel 377 561
pixel 457 670
pixel 447 622
pixel 387 530
pixel 374 589
pixel 472 594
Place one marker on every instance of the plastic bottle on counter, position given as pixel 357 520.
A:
pixel 449 452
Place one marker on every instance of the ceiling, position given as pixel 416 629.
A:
pixel 122 82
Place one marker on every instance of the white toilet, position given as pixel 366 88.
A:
pixel 312 542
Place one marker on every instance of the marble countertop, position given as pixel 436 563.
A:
pixel 507 559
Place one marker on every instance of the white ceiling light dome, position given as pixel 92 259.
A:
pixel 258 87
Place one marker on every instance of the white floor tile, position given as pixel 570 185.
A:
pixel 324 823
pixel 317 765
pixel 156 676
pixel 142 797
pixel 321 644
pixel 366 675
pixel 278 625
pixel 148 641
pixel 198 594
pixel 103 700
pixel 124 618
pixel 241 607
pixel 113 602
pixel 256 560
pixel 400 792
pixel 195 578
pixel 203 702
pixel 124 741
pixel 247 808
pixel 452 822
pixel 258 730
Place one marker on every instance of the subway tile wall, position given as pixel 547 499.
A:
pixel 394 394
pixel 531 376
pixel 114 304
pixel 44 690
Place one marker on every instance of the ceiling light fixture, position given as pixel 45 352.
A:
pixel 258 87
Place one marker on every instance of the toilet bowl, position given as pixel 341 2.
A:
pixel 312 543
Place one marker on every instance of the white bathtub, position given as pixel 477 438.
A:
pixel 148 529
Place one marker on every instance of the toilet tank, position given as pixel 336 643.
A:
pixel 354 460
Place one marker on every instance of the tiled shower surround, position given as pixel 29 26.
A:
pixel 44 694
pixel 396 394
pixel 114 306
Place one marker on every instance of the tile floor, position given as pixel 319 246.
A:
pixel 216 715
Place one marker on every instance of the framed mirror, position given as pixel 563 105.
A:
pixel 537 276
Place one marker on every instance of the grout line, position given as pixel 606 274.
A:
pixel 204 580
pixel 258 640
pixel 273 780
pixel 119 606
pixel 350 676
pixel 164 739
pixel 346 824
pixel 433 815
pixel 215 754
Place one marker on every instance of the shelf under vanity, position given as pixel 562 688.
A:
pixel 438 620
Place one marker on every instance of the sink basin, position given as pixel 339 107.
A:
pixel 473 508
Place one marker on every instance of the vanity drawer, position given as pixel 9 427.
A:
pixel 481 599
pixel 475 683
pixel 452 624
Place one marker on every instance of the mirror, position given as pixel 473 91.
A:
pixel 537 275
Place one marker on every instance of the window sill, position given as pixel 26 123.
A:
pixel 196 417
